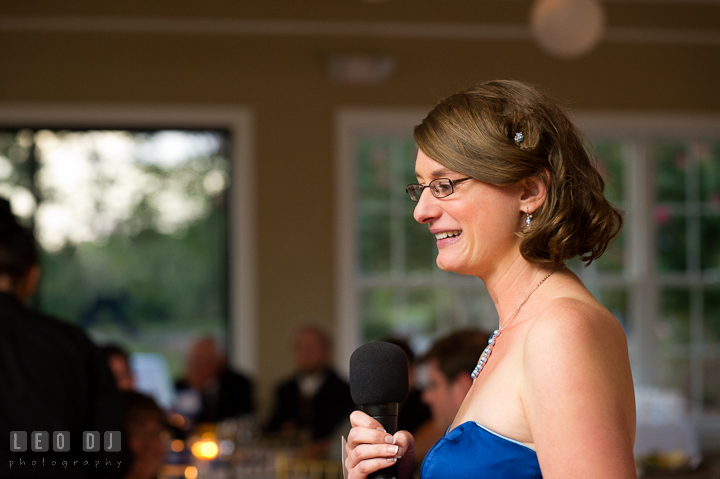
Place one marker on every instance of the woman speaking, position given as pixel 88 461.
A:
pixel 505 183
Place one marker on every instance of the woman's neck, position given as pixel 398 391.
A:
pixel 510 285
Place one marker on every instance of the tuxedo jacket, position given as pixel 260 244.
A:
pixel 322 413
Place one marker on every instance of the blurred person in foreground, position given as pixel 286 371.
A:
pixel 222 392
pixel 119 364
pixel 448 365
pixel 145 423
pixel 315 400
pixel 506 184
pixel 52 377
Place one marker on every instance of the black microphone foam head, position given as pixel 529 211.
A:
pixel 378 374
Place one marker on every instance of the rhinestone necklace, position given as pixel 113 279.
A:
pixel 491 342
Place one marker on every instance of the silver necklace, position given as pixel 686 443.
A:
pixel 491 342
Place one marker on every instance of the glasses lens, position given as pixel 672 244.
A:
pixel 414 190
pixel 441 187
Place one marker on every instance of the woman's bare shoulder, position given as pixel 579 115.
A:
pixel 576 382
pixel 574 331
pixel 575 316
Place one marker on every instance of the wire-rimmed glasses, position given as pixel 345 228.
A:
pixel 440 188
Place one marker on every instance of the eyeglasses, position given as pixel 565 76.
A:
pixel 440 188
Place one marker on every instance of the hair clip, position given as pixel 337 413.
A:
pixel 519 137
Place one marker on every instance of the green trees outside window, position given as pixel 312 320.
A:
pixel 132 227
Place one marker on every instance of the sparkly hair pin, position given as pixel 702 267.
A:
pixel 519 137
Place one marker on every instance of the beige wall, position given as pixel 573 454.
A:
pixel 281 78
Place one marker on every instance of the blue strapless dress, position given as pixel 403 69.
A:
pixel 472 451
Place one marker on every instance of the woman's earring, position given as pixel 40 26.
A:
pixel 528 219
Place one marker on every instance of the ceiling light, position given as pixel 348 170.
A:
pixel 567 28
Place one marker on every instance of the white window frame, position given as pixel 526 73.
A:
pixel 241 246
pixel 350 125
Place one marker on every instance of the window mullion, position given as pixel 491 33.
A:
pixel 643 286
pixel 397 230
pixel 696 349
pixel 693 276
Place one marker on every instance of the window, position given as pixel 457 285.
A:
pixel 401 289
pixel 136 223
pixel 660 278
pixel 687 218
pixel 132 229
pixel 672 187
pixel 389 283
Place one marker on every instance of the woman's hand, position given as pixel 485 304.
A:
pixel 369 448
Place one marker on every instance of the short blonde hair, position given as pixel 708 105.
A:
pixel 473 132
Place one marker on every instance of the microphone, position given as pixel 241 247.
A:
pixel 378 384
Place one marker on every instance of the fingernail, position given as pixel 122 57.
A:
pixel 390 439
pixel 391 459
pixel 393 449
pixel 380 429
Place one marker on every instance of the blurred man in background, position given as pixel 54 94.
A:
pixel 119 364
pixel 146 424
pixel 448 365
pixel 315 400
pixel 222 393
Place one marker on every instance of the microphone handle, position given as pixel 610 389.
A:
pixel 387 415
